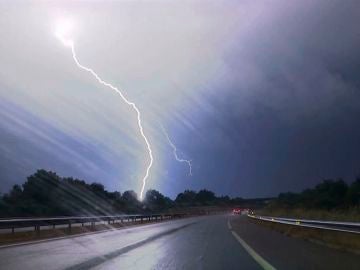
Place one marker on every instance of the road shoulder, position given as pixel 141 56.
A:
pixel 291 253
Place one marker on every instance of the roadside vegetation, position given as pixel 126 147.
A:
pixel 46 194
pixel 329 200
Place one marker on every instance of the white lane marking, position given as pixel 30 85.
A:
pixel 264 264
pixel 229 225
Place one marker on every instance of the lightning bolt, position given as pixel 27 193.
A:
pixel 69 43
pixel 173 146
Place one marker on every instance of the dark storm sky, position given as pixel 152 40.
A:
pixel 262 97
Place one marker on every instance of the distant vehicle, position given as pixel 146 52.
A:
pixel 241 211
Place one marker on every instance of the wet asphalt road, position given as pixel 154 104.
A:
pixel 192 243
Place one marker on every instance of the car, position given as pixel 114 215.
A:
pixel 237 211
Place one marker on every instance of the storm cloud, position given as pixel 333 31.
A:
pixel 262 96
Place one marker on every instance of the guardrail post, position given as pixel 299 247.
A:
pixel 37 229
pixel 69 226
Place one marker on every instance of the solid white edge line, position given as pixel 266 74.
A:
pixel 260 260
pixel 264 264
pixel 229 225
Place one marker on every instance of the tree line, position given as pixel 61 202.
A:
pixel 47 194
pixel 328 195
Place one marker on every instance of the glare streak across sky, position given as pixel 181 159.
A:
pixel 173 146
pixel 70 43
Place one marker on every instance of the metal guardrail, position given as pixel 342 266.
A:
pixel 349 227
pixel 37 223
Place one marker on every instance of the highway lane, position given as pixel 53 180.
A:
pixel 192 243
pixel 209 242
